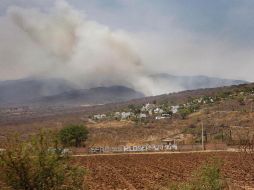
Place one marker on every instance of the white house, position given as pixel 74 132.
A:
pixel 125 115
pixel 142 115
pixel 147 107
pixel 200 100
pixel 117 115
pixel 165 115
pixel 174 109
pixel 99 116
pixel 159 117
pixel 158 111
pixel 162 116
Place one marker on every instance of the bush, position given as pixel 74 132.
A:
pixel 208 177
pixel 184 112
pixel 30 165
pixel 73 135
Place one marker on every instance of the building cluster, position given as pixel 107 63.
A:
pixel 100 116
pixel 147 110
pixel 159 112
pixel 164 111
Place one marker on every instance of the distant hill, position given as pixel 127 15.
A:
pixel 61 92
pixel 192 82
pixel 100 95
pixel 25 90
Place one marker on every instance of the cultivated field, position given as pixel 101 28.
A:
pixel 156 171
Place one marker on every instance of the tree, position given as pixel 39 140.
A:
pixel 31 164
pixel 184 112
pixel 131 107
pixel 73 135
pixel 167 109
pixel 135 109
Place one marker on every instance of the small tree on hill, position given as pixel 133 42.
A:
pixel 73 135
pixel 184 112
pixel 136 109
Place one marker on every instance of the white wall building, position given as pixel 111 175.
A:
pixel 174 109
pixel 158 111
pixel 147 107
pixel 125 115
pixel 99 116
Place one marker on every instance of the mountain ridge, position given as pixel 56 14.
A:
pixel 59 91
pixel 98 95
pixel 193 82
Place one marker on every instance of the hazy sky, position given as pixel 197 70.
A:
pixel 185 37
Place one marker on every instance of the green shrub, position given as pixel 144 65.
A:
pixel 184 112
pixel 31 165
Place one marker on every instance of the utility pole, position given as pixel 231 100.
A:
pixel 202 137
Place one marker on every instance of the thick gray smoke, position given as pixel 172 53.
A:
pixel 63 43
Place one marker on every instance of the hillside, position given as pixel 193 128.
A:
pixel 43 92
pixel 225 110
pixel 93 96
pixel 23 91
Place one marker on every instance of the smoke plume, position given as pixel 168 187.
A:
pixel 63 43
